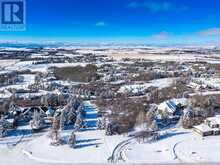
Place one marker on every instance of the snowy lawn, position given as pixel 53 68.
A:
pixel 6 63
pixel 28 80
pixel 160 83
pixel 176 146
pixel 92 146
pixel 40 67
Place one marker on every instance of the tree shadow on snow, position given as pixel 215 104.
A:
pixel 91 124
pixel 171 134
pixel 19 132
pixel 91 116
pixel 69 127
pixel 86 140
pixel 86 145
pixel 88 129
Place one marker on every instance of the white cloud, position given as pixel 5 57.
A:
pixel 152 6
pixel 161 36
pixel 157 6
pixel 101 23
pixel 210 32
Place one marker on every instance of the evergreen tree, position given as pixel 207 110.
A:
pixel 37 122
pixel 54 134
pixel 154 126
pixel 101 124
pixel 78 123
pixel 72 140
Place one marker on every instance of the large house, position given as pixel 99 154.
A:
pixel 172 107
pixel 211 126
pixel 39 98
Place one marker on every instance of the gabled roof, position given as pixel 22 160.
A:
pixel 171 105
pixel 214 120
pixel 203 128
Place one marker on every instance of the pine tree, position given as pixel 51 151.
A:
pixel 78 123
pixel 109 129
pixel 101 124
pixel 71 117
pixel 62 120
pixel 72 140
pixel 3 131
pixel 3 127
pixel 37 122
pixel 188 118
pixel 154 126
pixel 54 134
pixel 150 116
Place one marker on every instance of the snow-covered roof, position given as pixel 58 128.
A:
pixel 5 94
pixel 214 120
pixel 50 111
pixel 171 105
pixel 37 94
pixel 182 101
pixel 203 128
pixel 4 72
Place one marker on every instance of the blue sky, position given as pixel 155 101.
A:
pixel 144 21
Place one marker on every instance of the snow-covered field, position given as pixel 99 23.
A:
pixel 28 79
pixel 160 83
pixel 40 67
pixel 160 57
pixel 176 145
pixel 159 54
pixel 6 63
pixel 92 146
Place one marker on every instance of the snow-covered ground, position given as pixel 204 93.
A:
pixel 6 63
pixel 40 67
pixel 92 145
pixel 119 55
pixel 213 82
pixel 160 83
pixel 197 149
pixel 176 146
pixel 28 79
pixel 205 93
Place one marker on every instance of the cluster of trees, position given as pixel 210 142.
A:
pixel 98 89
pixel 3 127
pixel 178 89
pixel 37 122
pixel 127 113
pixel 200 107
pixel 72 113
pixel 120 114
pixel 149 75
pixel 78 73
